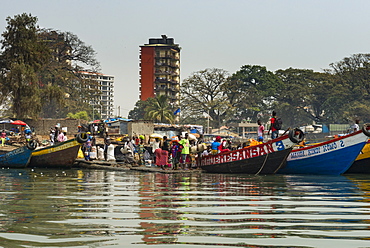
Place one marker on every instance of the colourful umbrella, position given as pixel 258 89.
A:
pixel 19 122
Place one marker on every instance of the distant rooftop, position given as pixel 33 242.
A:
pixel 162 41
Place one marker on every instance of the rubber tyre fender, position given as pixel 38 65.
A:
pixel 294 137
pixel 364 129
pixel 32 144
pixel 82 137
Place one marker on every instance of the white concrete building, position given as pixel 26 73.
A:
pixel 103 104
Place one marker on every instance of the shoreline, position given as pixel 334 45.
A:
pixel 120 166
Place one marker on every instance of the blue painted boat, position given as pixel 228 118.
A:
pixel 332 157
pixel 18 158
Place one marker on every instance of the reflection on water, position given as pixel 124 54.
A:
pixel 94 208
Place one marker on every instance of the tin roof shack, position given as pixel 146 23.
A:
pixel 140 127
pixel 130 127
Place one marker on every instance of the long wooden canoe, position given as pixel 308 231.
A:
pixel 265 158
pixel 18 158
pixel 332 157
pixel 59 155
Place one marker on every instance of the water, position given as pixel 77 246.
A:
pixel 95 208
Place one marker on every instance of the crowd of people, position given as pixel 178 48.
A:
pixel 16 132
pixel 57 135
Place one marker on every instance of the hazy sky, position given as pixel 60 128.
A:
pixel 212 33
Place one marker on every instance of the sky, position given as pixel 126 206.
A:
pixel 224 34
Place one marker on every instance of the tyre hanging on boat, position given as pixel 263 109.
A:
pixel 82 137
pixel 32 144
pixel 364 129
pixel 296 135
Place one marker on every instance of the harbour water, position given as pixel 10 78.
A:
pixel 97 208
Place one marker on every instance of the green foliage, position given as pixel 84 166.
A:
pixel 254 90
pixel 307 96
pixel 82 115
pixel 299 96
pixel 40 71
pixel 156 109
pixel 70 56
pixel 23 56
pixel 352 76
pixel 159 110
pixel 138 113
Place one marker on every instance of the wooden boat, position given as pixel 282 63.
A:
pixel 265 158
pixel 332 157
pixel 18 158
pixel 362 162
pixel 59 155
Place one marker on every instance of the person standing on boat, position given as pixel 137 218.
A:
pixel 260 131
pixel 274 131
pixel 355 126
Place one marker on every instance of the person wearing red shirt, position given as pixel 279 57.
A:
pixel 274 131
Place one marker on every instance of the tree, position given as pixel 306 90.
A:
pixel 202 94
pixel 79 115
pixel 159 110
pixel 65 88
pixel 353 75
pixel 138 113
pixel 41 70
pixel 22 57
pixel 252 90
pixel 307 96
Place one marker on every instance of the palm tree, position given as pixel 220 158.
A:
pixel 160 110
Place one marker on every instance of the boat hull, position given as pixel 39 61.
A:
pixel 265 158
pixel 266 164
pixel 332 157
pixel 60 155
pixel 362 162
pixel 18 158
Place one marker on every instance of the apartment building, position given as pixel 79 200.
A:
pixel 104 103
pixel 160 69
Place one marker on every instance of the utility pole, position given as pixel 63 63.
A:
pixel 208 122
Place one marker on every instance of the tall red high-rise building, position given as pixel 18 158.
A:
pixel 160 69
